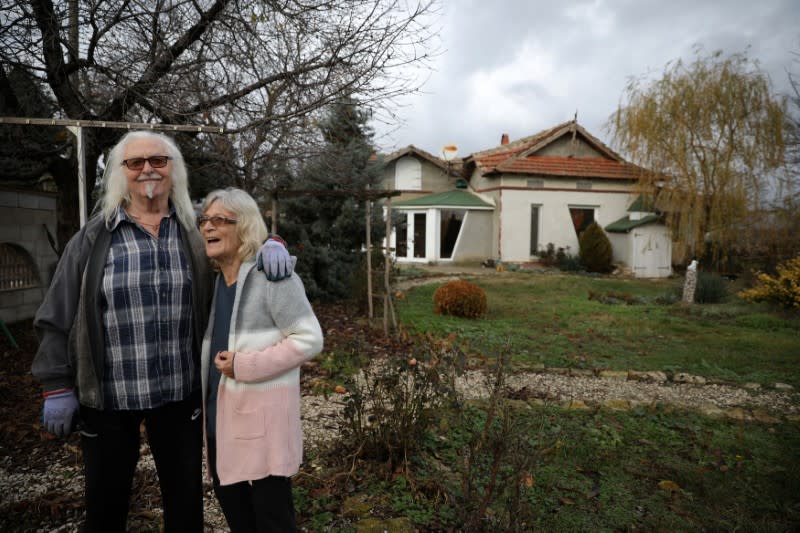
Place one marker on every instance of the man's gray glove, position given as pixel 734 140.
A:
pixel 274 259
pixel 60 407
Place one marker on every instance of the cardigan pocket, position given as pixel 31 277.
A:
pixel 247 424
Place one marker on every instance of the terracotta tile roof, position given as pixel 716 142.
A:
pixel 519 157
pixel 520 145
pixel 581 167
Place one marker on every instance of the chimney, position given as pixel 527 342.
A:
pixel 504 139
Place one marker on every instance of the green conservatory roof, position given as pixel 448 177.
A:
pixel 625 224
pixel 454 198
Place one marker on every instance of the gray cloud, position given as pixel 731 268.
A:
pixel 520 66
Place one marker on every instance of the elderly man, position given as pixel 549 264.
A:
pixel 120 333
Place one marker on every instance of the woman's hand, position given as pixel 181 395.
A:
pixel 224 362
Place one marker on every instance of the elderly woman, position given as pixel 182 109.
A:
pixel 258 335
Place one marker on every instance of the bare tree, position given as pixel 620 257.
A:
pixel 262 69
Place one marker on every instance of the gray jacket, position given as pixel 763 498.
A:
pixel 69 323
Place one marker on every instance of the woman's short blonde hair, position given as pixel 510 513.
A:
pixel 250 226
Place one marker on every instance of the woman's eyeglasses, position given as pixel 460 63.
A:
pixel 215 221
pixel 137 163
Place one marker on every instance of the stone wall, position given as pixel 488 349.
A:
pixel 25 217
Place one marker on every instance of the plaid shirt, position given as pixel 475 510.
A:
pixel 147 315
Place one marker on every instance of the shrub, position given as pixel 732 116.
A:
pixel 460 298
pixel 393 405
pixel 782 290
pixel 710 289
pixel 595 249
pixel 560 258
pixel 568 262
pixel 547 255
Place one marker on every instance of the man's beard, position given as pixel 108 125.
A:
pixel 151 180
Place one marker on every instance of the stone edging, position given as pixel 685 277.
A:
pixel 584 389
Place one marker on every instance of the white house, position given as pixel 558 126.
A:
pixel 509 202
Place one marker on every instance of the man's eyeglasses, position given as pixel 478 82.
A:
pixel 215 221
pixel 137 163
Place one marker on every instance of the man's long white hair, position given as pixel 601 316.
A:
pixel 115 183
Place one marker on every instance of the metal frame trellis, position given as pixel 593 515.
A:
pixel 76 128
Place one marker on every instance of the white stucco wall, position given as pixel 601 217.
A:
pixel 555 224
pixel 621 246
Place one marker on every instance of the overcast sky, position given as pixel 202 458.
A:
pixel 522 66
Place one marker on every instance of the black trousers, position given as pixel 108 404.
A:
pixel 110 442
pixel 260 506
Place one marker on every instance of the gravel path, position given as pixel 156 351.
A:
pixel 320 414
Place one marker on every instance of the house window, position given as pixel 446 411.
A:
pixel 584 185
pixel 536 184
pixel 17 270
pixel 408 174
pixel 581 218
pixel 419 234
pixel 534 229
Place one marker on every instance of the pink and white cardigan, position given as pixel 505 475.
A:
pixel 273 331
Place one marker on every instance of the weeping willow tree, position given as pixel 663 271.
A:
pixel 711 135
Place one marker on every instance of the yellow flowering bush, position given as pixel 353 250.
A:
pixel 783 290
pixel 460 298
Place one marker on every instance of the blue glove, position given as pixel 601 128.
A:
pixel 274 259
pixel 59 409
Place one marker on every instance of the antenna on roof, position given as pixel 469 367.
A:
pixel 449 151
pixel 574 128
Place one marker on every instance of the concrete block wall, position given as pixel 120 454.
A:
pixel 23 218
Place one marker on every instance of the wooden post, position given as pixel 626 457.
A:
pixel 369 257
pixel 388 305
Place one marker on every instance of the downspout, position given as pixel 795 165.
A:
pixel 500 222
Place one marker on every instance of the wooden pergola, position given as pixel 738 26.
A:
pixel 368 196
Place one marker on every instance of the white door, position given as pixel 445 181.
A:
pixel 410 237
pixel 651 254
